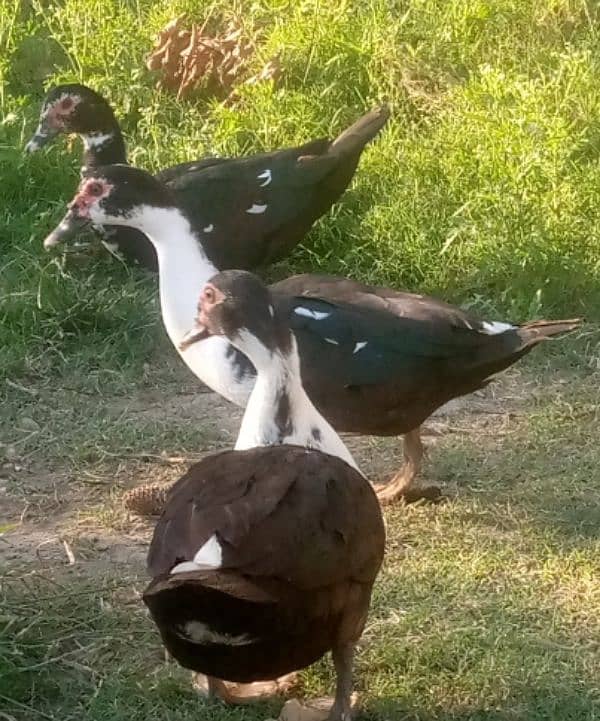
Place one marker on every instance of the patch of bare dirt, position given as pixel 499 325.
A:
pixel 60 517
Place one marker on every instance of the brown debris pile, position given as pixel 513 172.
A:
pixel 191 58
pixel 148 500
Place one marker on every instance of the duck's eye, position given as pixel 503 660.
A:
pixel 66 103
pixel 209 294
pixel 94 189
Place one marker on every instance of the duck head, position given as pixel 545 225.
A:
pixel 112 195
pixel 74 108
pixel 236 304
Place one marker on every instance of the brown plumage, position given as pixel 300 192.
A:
pixel 302 540
pixel 420 353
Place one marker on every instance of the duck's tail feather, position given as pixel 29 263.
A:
pixel 354 138
pixel 540 330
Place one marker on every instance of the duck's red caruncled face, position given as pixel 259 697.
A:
pixel 90 193
pixel 59 111
pixel 210 298
pixel 204 327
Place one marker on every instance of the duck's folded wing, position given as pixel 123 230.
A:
pixel 375 343
pixel 241 204
pixel 281 513
pixel 338 289
pixel 175 174
pixel 251 210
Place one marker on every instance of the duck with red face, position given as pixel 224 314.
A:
pixel 265 557
pixel 77 109
pixel 374 360
pixel 250 211
pixel 80 212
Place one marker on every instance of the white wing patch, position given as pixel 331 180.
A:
pixel 332 341
pixel 314 314
pixel 271 311
pixel 266 176
pixel 211 554
pixel 209 228
pixel 495 327
pixel 256 209
pixel 359 346
pixel 185 567
pixel 200 633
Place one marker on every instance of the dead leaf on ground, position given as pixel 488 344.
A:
pixel 188 59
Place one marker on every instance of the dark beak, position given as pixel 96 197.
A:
pixel 41 137
pixel 194 335
pixel 69 226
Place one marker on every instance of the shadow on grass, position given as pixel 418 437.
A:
pixel 554 496
pixel 75 646
pixel 566 701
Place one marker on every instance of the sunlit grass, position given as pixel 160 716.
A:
pixel 484 189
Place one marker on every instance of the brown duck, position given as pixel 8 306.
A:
pixel 264 559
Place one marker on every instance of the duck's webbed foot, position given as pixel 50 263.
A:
pixel 242 693
pixel 401 486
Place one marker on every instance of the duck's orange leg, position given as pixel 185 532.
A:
pixel 402 485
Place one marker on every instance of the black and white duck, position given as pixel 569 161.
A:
pixel 264 559
pixel 374 360
pixel 249 211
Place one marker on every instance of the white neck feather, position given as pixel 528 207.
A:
pixel 183 268
pixel 183 271
pixel 92 141
pixel 298 422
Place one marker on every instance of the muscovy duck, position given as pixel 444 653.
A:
pixel 249 211
pixel 264 559
pixel 373 360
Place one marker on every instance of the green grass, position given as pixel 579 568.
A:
pixel 483 189
pixel 487 608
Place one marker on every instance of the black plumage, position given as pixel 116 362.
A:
pixel 250 211
pixel 418 352
pixel 380 361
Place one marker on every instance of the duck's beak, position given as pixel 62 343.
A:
pixel 41 137
pixel 69 226
pixel 194 335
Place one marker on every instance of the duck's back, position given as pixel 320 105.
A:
pixel 255 209
pixel 396 356
pixel 294 539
